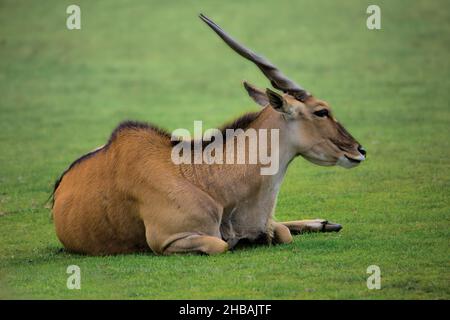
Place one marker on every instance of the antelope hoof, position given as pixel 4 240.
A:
pixel 330 227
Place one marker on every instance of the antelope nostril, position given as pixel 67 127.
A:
pixel 362 150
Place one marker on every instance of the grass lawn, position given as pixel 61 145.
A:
pixel 62 92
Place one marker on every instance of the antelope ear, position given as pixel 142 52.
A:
pixel 275 100
pixel 279 103
pixel 256 94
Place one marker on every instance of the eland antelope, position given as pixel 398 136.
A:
pixel 129 196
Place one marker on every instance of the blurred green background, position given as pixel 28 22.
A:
pixel 62 92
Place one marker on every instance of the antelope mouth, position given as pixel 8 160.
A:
pixel 349 162
pixel 353 160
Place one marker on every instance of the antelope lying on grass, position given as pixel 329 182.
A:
pixel 129 196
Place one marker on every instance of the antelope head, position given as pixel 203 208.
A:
pixel 314 131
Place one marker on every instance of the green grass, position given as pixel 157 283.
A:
pixel 62 92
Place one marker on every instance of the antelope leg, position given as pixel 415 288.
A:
pixel 315 225
pixel 197 243
pixel 281 234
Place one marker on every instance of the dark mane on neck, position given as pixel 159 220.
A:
pixel 243 122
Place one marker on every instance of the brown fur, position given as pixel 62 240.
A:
pixel 98 199
pixel 129 196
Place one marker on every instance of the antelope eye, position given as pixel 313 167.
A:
pixel 321 113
